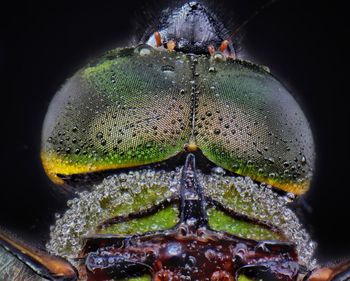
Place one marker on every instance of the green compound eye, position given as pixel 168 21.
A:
pixel 248 123
pixel 133 107
pixel 126 110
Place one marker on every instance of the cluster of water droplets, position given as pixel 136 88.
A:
pixel 118 192
pixel 260 202
pixel 89 209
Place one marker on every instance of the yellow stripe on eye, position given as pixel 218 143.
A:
pixel 295 188
pixel 54 165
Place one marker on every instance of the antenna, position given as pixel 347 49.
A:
pixel 252 16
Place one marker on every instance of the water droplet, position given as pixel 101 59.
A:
pixel 218 171
pixel 235 166
pixel 144 52
pixel 217 131
pixel 219 57
pixel 266 68
pixel 212 69
pixel 270 160
pixel 168 68
pixel 303 160
pixel 289 197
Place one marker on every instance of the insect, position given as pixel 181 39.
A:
pixel 200 154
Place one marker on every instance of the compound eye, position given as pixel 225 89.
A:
pixel 129 108
pixel 248 123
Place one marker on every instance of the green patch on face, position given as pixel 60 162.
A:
pixel 246 198
pixel 221 222
pixel 146 198
pixel 143 278
pixel 244 278
pixel 163 219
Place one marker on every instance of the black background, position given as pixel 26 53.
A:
pixel 43 44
